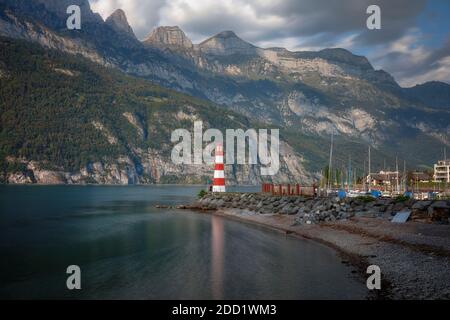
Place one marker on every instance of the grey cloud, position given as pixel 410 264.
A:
pixel 416 65
pixel 310 17
pixel 396 20
pixel 143 15
pixel 271 21
pixel 301 23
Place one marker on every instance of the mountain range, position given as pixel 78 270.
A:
pixel 308 95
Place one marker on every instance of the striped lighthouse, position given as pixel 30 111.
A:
pixel 219 174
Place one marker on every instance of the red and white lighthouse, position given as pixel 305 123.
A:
pixel 219 174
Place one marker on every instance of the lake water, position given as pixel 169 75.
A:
pixel 128 249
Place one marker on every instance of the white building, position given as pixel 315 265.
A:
pixel 384 178
pixel 442 171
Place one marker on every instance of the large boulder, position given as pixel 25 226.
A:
pixel 419 211
pixel 421 205
pixel 439 211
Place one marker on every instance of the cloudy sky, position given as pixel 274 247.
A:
pixel 413 43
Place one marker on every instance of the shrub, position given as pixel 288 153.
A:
pixel 401 198
pixel 365 198
pixel 202 193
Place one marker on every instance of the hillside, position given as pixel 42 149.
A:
pixel 434 93
pixel 67 120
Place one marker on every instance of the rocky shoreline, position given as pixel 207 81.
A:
pixel 414 257
pixel 327 209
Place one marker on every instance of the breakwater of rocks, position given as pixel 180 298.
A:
pixel 315 210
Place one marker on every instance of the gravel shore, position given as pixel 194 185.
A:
pixel 414 257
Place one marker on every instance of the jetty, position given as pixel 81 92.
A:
pixel 311 210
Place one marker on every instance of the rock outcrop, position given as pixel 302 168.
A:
pixel 118 21
pixel 59 8
pixel 168 37
pixel 226 43
pixel 150 166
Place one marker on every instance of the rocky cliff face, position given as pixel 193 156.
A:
pixel 150 166
pixel 168 37
pixel 226 43
pixel 12 26
pixel 118 21
pixel 59 7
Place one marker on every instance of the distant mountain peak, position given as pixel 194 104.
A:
pixel 432 93
pixel 226 34
pixel 226 43
pixel 118 21
pixel 168 36
pixel 437 84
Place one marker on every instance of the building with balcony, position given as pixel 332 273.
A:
pixel 442 171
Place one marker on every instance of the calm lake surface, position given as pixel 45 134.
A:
pixel 128 249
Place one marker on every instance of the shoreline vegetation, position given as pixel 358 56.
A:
pixel 414 257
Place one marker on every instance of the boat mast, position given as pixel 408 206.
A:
pixel 396 170
pixel 370 178
pixel 404 175
pixel 349 177
pixel 364 176
pixel 329 183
